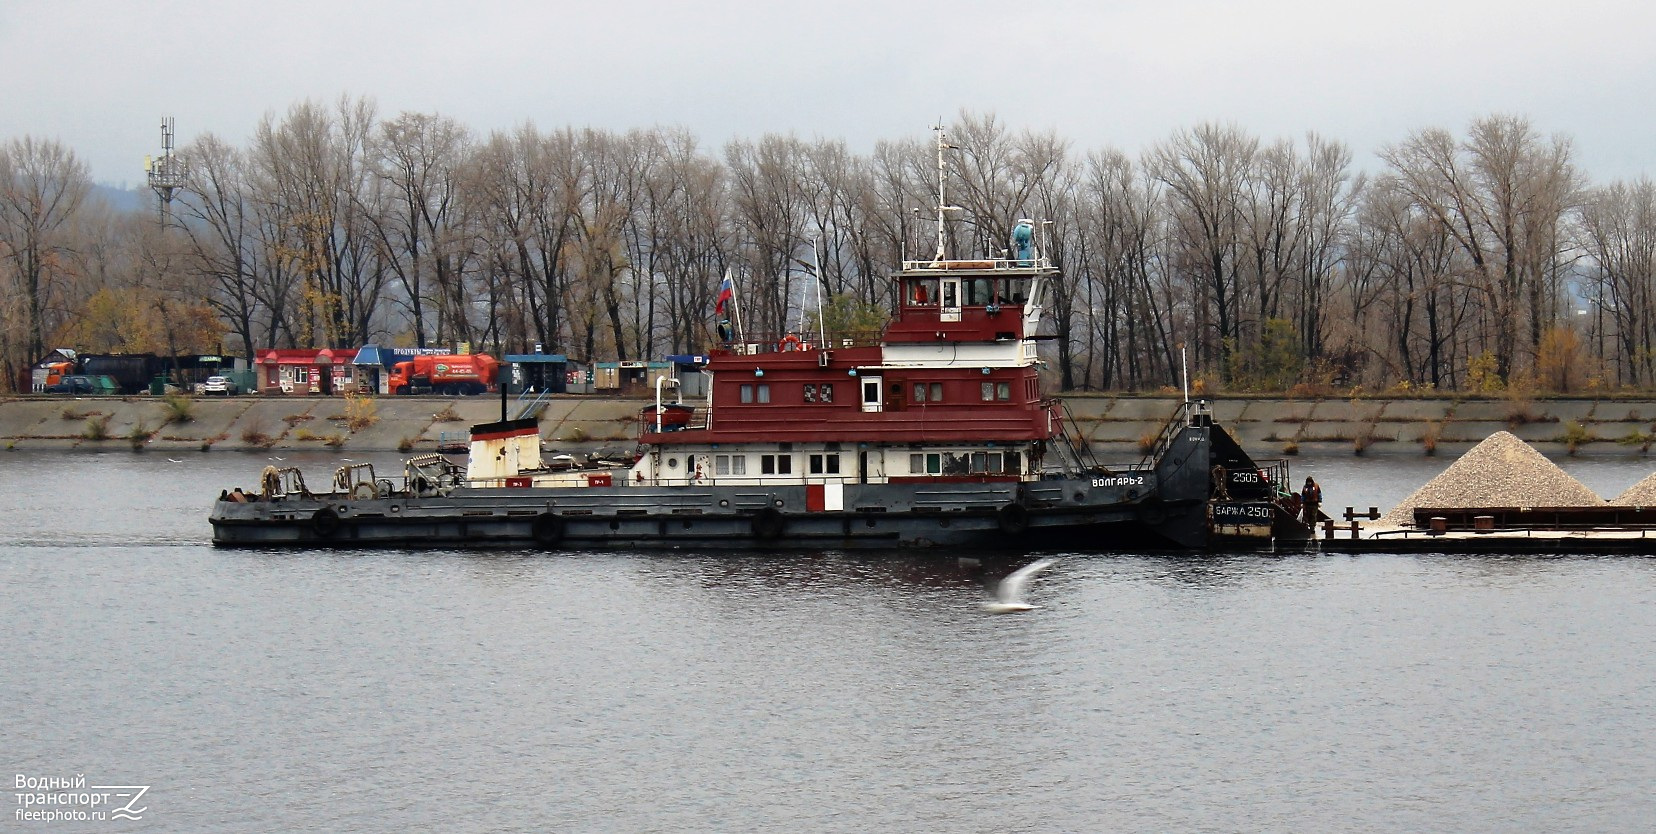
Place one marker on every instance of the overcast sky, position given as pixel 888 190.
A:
pixel 98 74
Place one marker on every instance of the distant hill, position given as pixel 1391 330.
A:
pixel 124 199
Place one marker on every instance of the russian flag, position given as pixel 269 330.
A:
pixel 727 291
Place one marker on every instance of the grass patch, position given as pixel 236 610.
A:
pixel 97 428
pixel 1147 443
pixel 1290 448
pixel 180 409
pixel 360 412
pixel 447 415
pixel 334 441
pixel 139 436
pixel 306 435
pixel 255 435
pixel 405 445
pixel 1574 435
pixel 295 419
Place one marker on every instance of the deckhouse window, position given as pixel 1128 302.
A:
pixel 747 392
pixel 925 464
pixel 1003 391
pixel 827 392
pixel 924 392
pixel 810 394
pixel 775 464
pixel 730 464
pixel 825 464
pixel 988 391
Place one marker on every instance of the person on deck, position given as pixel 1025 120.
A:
pixel 1310 500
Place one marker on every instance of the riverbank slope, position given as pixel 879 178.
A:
pixel 1116 426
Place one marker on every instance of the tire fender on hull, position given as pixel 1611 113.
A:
pixel 1012 519
pixel 547 530
pixel 769 524
pixel 325 523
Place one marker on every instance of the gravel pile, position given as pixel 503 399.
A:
pixel 1641 494
pixel 1502 471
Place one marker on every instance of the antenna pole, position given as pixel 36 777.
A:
pixel 942 145
pixel 1184 372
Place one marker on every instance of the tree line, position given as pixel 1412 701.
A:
pixel 1472 261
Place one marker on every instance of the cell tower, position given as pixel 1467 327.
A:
pixel 166 175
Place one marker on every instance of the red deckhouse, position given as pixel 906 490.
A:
pixel 950 390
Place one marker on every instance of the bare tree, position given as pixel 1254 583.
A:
pixel 42 187
pixel 1205 171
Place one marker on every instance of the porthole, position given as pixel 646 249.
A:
pixel 672 463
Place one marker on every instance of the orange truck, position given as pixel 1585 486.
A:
pixel 446 374
pixel 57 370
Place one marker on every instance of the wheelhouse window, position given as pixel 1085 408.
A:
pixel 827 464
pixel 1012 290
pixel 923 291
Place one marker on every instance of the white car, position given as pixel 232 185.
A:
pixel 218 385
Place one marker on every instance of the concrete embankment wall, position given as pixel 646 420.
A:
pixel 1116 426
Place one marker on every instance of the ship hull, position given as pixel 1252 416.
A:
pixel 1059 513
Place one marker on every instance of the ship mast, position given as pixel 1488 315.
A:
pixel 943 206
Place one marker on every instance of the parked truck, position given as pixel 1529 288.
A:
pixel 445 374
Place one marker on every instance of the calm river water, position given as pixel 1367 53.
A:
pixel 518 691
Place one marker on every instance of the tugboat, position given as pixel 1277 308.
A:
pixel 935 435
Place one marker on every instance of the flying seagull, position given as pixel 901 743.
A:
pixel 1009 596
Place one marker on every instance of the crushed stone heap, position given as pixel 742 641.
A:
pixel 1502 471
pixel 1641 494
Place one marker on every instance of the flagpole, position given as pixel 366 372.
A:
pixel 822 325
pixel 736 307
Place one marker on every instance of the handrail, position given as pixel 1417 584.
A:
pixel 977 264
